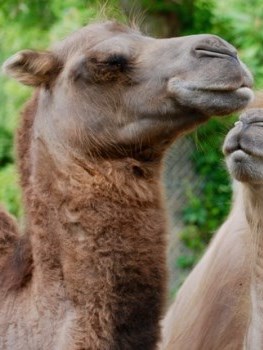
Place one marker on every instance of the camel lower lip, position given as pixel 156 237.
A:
pixel 210 100
pixel 244 153
pixel 177 84
pixel 241 90
pixel 243 93
pixel 239 154
pixel 245 90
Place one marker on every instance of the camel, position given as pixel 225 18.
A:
pixel 220 304
pixel 88 270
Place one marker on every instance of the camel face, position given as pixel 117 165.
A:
pixel 243 147
pixel 128 89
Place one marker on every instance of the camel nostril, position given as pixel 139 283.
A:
pixel 252 116
pixel 219 51
pixel 239 123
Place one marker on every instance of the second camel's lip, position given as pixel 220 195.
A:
pixel 238 152
pixel 242 151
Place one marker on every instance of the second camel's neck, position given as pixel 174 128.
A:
pixel 254 212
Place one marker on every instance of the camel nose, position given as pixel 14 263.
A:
pixel 247 134
pixel 252 116
pixel 213 46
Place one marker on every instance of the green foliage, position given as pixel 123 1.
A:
pixel 205 212
pixel 191 16
pixel 5 146
pixel 9 190
pixel 185 262
pixel 240 22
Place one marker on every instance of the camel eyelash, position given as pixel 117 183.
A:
pixel 118 61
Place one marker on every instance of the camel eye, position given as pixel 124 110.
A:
pixel 118 61
pixel 96 69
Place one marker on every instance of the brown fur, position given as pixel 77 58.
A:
pixel 17 268
pixel 89 271
pixel 34 68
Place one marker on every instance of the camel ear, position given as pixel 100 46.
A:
pixel 32 67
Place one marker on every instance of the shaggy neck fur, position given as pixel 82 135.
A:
pixel 253 209
pixel 109 247
pixel 221 302
pixel 97 231
pixel 212 308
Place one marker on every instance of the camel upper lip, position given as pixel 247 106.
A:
pixel 253 120
pixel 247 84
pixel 235 149
pixel 238 149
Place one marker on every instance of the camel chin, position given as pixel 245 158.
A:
pixel 243 148
pixel 245 167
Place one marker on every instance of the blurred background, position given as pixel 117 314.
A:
pixel 198 187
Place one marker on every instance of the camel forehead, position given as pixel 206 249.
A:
pixel 91 35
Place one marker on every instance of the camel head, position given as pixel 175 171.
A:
pixel 108 89
pixel 243 148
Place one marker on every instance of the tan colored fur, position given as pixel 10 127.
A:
pixel 211 308
pixel 220 305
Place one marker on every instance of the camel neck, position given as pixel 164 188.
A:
pixel 100 229
pixel 253 202
pixel 254 211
